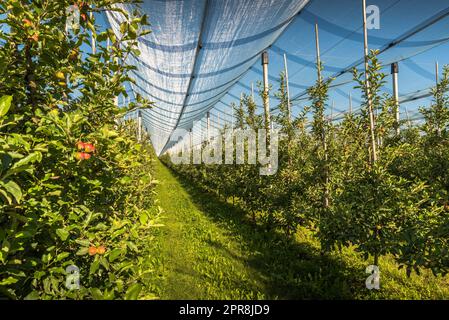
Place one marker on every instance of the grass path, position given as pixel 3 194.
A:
pixel 200 260
pixel 210 250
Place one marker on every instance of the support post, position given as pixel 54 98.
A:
pixel 368 90
pixel 408 117
pixel 266 99
pixel 350 103
pixel 437 70
pixel 287 88
pixel 394 72
pixel 332 111
pixel 191 145
pixel 139 125
pixel 115 60
pixel 93 42
pixel 318 54
pixel 252 91
pixel 323 134
pixel 232 119
pixel 208 125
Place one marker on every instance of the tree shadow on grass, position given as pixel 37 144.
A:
pixel 290 268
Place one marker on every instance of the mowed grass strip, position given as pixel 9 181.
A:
pixel 211 250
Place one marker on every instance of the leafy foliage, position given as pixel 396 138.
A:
pixel 76 187
pixel 327 179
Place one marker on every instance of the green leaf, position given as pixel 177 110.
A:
pixel 96 294
pixel 133 292
pixel 109 294
pixel 5 104
pixel 123 27
pixel 33 295
pixel 62 256
pixel 114 254
pixel 84 243
pixel 104 262
pixel 14 189
pixel 132 32
pixel 7 281
pixel 126 180
pixel 94 266
pixel 33 157
pixel 143 218
pixel 6 195
pixel 82 251
pixel 63 234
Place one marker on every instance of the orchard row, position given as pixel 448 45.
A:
pixel 327 180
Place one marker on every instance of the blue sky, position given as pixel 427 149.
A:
pixel 336 20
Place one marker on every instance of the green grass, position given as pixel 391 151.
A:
pixel 210 250
pixel 200 258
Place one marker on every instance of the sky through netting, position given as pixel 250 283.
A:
pixel 202 55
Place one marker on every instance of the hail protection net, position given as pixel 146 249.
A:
pixel 202 55
pixel 197 51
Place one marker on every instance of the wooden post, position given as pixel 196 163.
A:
pixel 394 72
pixel 368 91
pixel 266 99
pixel 288 88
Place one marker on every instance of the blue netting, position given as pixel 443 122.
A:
pixel 202 55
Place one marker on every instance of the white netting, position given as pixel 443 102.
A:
pixel 197 51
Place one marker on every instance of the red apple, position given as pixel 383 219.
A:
pixel 92 251
pixel 88 147
pixel 101 250
pixel 80 145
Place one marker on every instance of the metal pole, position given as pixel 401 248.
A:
pixel 318 54
pixel 332 111
pixel 437 70
pixel 139 125
pixel 408 117
pixel 232 119
pixel 323 134
pixel 208 125
pixel 288 88
pixel 252 91
pixel 266 100
pixel 94 46
pixel 394 72
pixel 367 84
pixel 116 61
pixel 350 103
pixel 191 141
